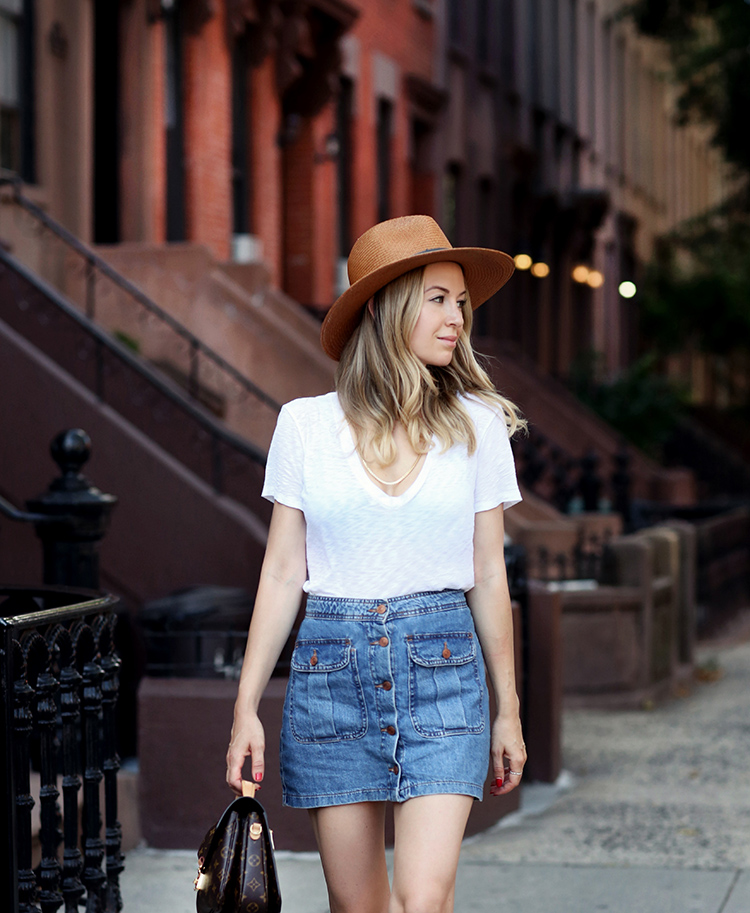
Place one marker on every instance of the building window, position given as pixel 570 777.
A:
pixel 384 129
pixel 344 114
pixel 422 188
pixel 485 238
pixel 241 146
pixel 591 51
pixel 16 88
pixel 484 32
pixel 452 201
pixel 456 13
pixel 174 127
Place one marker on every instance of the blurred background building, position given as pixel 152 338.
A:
pixel 182 181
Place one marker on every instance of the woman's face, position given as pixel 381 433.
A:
pixel 439 324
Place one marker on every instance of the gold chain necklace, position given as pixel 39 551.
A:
pixel 398 481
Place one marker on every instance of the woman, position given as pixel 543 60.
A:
pixel 388 511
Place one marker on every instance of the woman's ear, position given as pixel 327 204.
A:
pixel 371 307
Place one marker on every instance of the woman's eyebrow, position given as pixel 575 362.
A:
pixel 440 288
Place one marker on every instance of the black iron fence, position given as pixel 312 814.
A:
pixel 575 484
pixel 58 702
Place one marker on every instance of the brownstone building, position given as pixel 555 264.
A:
pixel 273 130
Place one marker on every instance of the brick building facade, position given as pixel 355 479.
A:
pixel 279 130
pixel 265 129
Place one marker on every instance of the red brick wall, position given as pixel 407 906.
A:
pixel 208 136
pixel 325 222
pixel 266 165
pixel 294 206
pixel 401 34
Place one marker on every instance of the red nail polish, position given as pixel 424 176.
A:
pixel 499 782
pixel 258 777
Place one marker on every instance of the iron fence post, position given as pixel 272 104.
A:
pixel 8 867
pixel 78 516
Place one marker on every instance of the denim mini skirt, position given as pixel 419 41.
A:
pixel 387 700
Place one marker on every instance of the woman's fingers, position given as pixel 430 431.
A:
pixel 258 764
pixel 508 762
pixel 235 761
pixel 249 742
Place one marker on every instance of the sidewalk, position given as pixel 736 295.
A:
pixel 652 816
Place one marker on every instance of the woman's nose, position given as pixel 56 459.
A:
pixel 455 316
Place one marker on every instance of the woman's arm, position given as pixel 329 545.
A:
pixel 277 602
pixel 489 601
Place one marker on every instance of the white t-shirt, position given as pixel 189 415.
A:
pixel 365 544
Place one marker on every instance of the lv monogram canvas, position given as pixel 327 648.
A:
pixel 236 866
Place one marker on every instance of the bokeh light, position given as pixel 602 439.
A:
pixel 522 261
pixel 595 279
pixel 627 289
pixel 540 270
pixel 581 273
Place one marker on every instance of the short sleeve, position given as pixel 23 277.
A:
pixel 283 481
pixel 496 471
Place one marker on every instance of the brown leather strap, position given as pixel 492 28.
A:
pixel 249 788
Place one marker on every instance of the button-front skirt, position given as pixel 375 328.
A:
pixel 386 700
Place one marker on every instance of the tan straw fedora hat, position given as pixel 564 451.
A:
pixel 390 249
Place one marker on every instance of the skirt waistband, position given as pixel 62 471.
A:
pixel 414 604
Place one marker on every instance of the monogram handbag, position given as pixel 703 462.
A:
pixel 236 867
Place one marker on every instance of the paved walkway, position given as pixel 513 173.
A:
pixel 651 816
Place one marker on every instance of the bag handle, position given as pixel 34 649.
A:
pixel 249 788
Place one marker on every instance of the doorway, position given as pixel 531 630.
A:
pixel 106 222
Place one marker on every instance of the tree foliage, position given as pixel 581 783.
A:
pixel 696 294
pixel 701 301
pixel 641 404
pixel 709 47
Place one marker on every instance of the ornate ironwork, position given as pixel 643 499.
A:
pixel 574 484
pixel 58 655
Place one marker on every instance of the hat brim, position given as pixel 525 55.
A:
pixel 486 272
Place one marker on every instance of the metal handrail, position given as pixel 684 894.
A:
pixel 165 387
pixel 13 513
pixel 94 261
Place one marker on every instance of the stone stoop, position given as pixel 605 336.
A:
pixel 257 329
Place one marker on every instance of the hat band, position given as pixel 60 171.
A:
pixel 430 250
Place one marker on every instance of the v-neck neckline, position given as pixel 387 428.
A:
pixel 346 437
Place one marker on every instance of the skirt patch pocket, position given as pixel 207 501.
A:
pixel 445 690
pixel 326 702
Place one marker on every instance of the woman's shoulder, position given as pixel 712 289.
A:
pixel 306 408
pixel 481 412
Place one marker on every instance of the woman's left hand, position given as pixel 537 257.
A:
pixel 508 754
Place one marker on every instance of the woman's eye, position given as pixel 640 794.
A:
pixel 438 299
pixel 461 302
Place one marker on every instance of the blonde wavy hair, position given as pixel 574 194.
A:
pixel 380 381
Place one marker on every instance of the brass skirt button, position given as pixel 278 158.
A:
pixel 383 641
pixel 386 686
pixel 391 730
pixel 381 609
